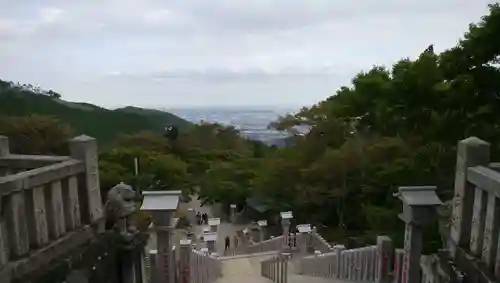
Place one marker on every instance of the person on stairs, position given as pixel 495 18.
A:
pixel 227 244
pixel 198 218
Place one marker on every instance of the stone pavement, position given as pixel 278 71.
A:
pixel 243 270
pixel 296 278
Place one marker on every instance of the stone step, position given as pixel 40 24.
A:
pixel 296 278
pixel 270 253
pixel 243 279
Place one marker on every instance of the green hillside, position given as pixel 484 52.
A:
pixel 85 118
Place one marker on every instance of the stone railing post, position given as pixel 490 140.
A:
pixel 85 148
pixel 17 224
pixel 185 261
pixel 279 268
pixel 55 211
pixel 385 252
pixel 71 202
pixel 262 231
pixel 153 274
pixel 398 264
pixel 470 152
pixel 338 263
pixel 284 267
pixel 232 213
pixel 4 151
pixel 419 204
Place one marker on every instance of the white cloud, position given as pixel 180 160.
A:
pixel 51 14
pixel 217 47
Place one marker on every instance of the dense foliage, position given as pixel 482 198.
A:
pixel 392 127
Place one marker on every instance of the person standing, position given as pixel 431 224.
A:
pixel 198 218
pixel 227 243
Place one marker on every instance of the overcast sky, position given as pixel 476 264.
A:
pixel 216 52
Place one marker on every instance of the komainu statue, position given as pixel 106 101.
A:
pixel 120 209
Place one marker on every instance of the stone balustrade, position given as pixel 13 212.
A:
pixel 48 204
pixel 319 243
pixel 367 264
pixel 204 268
pixel 276 268
pixel 473 239
pixel 273 244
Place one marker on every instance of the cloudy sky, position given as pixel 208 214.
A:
pixel 216 52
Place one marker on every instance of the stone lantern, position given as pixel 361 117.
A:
pixel 210 241
pixel 162 205
pixel 214 224
pixel 305 237
pixel 419 206
pixel 285 224
pixel 232 213
pixel 262 229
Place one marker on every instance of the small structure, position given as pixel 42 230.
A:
pixel 256 208
pixel 214 224
pixel 419 205
pixel 210 241
pixel 162 205
pixel 286 217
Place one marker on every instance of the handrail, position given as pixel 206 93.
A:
pixel 46 211
pixel 361 264
pixel 276 268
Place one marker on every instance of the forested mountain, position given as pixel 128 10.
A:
pixel 104 124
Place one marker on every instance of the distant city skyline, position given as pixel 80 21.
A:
pixel 191 53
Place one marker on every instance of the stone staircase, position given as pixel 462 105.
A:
pixel 243 269
pixel 246 269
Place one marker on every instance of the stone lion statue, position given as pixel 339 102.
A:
pixel 120 209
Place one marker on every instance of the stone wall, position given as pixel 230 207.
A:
pixel 52 223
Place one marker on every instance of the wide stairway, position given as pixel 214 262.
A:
pixel 243 269
pixel 246 269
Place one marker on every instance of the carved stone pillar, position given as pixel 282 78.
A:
pixel 470 152
pixel 185 261
pixel 162 204
pixel 85 148
pixel 419 205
